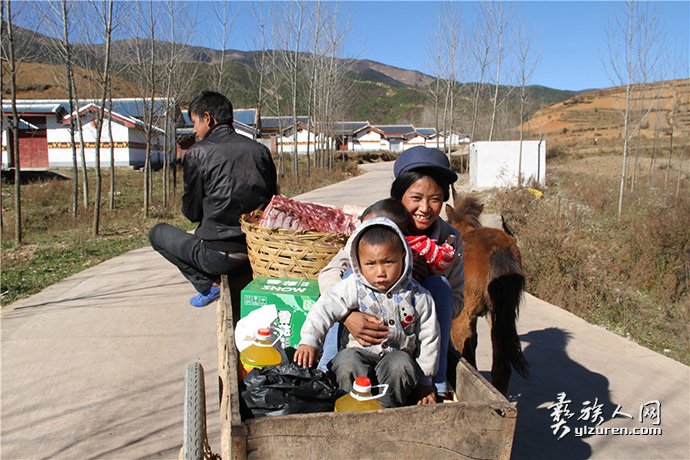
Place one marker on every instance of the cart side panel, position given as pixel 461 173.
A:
pixel 470 385
pixel 232 430
pixel 453 430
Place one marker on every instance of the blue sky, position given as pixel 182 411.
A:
pixel 570 37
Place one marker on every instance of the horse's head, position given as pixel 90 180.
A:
pixel 464 216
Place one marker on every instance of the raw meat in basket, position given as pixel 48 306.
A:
pixel 283 212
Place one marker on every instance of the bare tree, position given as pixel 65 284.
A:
pixel 314 63
pixel 500 26
pixel 294 19
pixel 66 51
pixel 434 89
pixel 260 60
pixel 527 64
pixel 12 64
pixel 331 87
pixel 481 60
pixel 631 31
pixel 2 86
pixel 225 18
pixel 105 14
pixel 144 51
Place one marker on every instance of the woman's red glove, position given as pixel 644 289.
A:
pixel 439 257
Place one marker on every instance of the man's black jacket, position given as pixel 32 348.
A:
pixel 225 176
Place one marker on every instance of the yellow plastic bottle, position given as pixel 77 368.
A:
pixel 261 353
pixel 359 399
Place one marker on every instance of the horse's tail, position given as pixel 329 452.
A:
pixel 506 286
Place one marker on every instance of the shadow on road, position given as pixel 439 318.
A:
pixel 553 372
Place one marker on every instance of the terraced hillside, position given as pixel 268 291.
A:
pixel 593 121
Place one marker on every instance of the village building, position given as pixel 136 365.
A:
pixel 367 138
pixel 452 140
pixel 47 135
pixel 248 117
pixel 431 137
pixel 36 118
pixel 343 132
pixel 414 139
pixel 395 136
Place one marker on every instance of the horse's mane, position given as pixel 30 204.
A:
pixel 467 210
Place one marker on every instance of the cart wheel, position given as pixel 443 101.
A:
pixel 195 441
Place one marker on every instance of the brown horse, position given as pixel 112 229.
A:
pixel 494 283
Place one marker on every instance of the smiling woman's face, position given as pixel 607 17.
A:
pixel 423 200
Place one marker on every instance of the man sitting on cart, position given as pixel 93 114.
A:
pixel 225 175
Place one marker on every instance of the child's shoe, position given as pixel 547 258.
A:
pixel 201 299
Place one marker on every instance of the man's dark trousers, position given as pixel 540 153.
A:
pixel 201 265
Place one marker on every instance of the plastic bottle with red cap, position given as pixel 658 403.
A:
pixel 360 398
pixel 261 353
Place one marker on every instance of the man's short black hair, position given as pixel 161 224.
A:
pixel 217 105
pixel 380 234
pixel 393 210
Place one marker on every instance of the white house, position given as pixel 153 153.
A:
pixel 128 139
pixel 304 135
pixel 367 138
pixel 342 132
pixel 395 136
pixel 452 139
pixel 499 164
pixel 45 140
pixel 37 118
pixel 414 139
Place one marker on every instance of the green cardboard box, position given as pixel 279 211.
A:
pixel 293 299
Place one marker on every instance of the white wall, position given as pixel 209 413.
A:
pixel 5 150
pixel 304 138
pixel 130 152
pixel 414 142
pixel 366 140
pixel 495 164
pixel 395 145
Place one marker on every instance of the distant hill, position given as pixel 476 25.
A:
pixel 379 92
pixel 593 121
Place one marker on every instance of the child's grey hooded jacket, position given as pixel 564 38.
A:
pixel 406 308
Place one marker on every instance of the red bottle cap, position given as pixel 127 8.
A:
pixel 263 334
pixel 362 384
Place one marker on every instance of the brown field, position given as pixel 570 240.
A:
pixel 48 81
pixel 576 123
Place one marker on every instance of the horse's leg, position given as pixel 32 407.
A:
pixel 463 332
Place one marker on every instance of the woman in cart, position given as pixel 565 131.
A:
pixel 422 184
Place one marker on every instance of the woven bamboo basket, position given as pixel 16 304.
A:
pixel 282 253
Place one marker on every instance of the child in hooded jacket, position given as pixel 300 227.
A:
pixel 381 285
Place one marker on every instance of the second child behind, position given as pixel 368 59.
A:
pixel 382 286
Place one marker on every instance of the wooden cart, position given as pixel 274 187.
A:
pixel 479 426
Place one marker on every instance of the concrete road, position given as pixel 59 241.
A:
pixel 93 367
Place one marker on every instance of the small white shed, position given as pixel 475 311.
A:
pixel 498 164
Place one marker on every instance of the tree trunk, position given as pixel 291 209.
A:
pixel 12 66
pixel 70 86
pixel 498 78
pixel 111 203
pixel 107 19
pixel 627 116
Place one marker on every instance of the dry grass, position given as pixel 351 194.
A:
pixel 630 275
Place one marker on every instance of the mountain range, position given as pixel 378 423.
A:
pixel 379 93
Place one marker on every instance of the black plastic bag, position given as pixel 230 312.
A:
pixel 288 389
